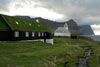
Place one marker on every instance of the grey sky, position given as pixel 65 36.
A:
pixel 82 11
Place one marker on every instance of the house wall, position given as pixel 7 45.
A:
pixel 62 31
pixel 49 41
pixel 62 34
pixel 37 35
pixel 5 36
pixel 10 36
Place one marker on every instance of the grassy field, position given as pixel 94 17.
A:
pixel 38 54
pixel 94 61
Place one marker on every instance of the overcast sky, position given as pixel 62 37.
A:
pixel 82 11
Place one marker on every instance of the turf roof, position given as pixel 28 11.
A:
pixel 25 25
pixel 3 26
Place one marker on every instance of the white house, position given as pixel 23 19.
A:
pixel 69 29
pixel 62 31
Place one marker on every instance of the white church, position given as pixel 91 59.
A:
pixel 62 31
pixel 69 29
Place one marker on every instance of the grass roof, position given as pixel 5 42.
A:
pixel 25 25
pixel 3 26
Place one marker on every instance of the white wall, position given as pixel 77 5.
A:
pixel 62 31
pixel 50 41
pixel 62 34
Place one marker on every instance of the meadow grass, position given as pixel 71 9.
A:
pixel 39 54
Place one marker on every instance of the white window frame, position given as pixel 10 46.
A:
pixel 39 34
pixel 16 34
pixel 42 34
pixel 27 34
pixel 33 34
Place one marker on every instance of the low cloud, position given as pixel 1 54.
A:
pixel 79 10
pixel 4 5
pixel 82 11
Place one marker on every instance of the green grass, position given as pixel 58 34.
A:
pixel 3 26
pixel 94 61
pixel 25 25
pixel 22 54
pixel 85 38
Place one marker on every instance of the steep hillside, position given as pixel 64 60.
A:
pixel 86 30
pixel 52 25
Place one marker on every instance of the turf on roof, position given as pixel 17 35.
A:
pixel 25 25
pixel 3 26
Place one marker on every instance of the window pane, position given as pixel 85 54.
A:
pixel 27 34
pixel 16 34
pixel 39 34
pixel 33 34
pixel 42 34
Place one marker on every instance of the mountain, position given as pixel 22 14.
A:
pixel 53 25
pixel 73 27
pixel 86 30
pixel 25 17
